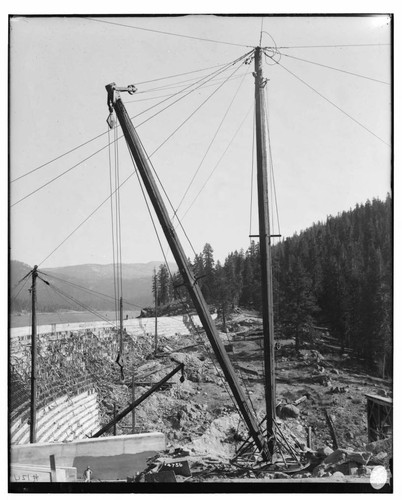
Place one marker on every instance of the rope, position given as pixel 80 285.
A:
pixel 22 286
pixel 336 69
pixel 272 171
pixel 103 133
pixel 262 22
pixel 252 176
pixel 216 73
pixel 330 46
pixel 181 74
pixel 112 226
pixel 150 213
pixel 167 33
pixel 88 289
pixel 83 222
pixel 177 85
pixel 333 104
pixel 200 89
pixel 217 164
pixel 102 203
pixel 195 111
pixel 207 349
pixel 104 147
pixel 118 220
pixel 210 145
pixel 77 302
pixel 163 189
pixel 245 384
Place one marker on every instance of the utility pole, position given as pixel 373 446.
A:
pixel 32 433
pixel 121 330
pixel 142 163
pixel 133 399
pixel 265 246
pixel 156 318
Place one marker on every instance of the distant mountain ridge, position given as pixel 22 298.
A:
pixel 97 278
pixel 94 271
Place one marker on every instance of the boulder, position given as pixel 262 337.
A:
pixel 342 455
pixel 281 475
pixel 288 411
pixel 346 468
pixel 325 451
pixel 336 457
pixel 338 475
pixel 361 458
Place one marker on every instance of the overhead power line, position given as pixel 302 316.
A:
pixel 216 82
pixel 85 220
pixel 218 162
pixel 103 133
pixel 333 104
pixel 58 157
pixel 58 176
pixel 335 69
pixel 180 74
pixel 77 302
pixel 98 207
pixel 210 145
pixel 207 78
pixel 172 86
pixel 88 290
pixel 239 59
pixel 167 32
pixel 195 111
pixel 94 292
pixel 329 46
pixel 24 280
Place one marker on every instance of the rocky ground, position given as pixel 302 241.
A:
pixel 205 432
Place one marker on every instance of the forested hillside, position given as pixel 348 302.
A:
pixel 336 274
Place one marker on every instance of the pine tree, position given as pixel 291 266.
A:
pixel 164 285
pixel 208 282
pixel 155 286
pixel 299 304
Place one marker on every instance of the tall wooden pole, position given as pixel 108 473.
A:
pixel 156 319
pixel 265 245
pixel 121 330
pixel 32 433
pixel 142 163
pixel 133 399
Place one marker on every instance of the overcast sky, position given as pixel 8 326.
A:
pixel 324 161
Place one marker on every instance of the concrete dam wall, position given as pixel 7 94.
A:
pixel 73 363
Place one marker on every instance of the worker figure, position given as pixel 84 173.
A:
pixel 87 475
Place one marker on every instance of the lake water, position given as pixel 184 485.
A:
pixel 16 321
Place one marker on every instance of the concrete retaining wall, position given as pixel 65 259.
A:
pixel 65 453
pixel 136 326
pixel 20 473
pixel 64 419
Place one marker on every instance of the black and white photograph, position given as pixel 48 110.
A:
pixel 200 252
